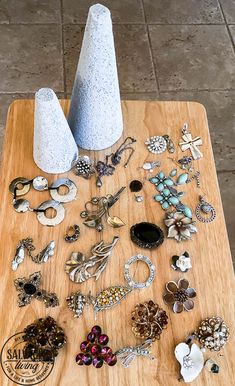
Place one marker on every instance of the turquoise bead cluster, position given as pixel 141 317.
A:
pixel 168 195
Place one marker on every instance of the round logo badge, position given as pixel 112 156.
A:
pixel 22 370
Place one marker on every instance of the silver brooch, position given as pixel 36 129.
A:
pixel 79 268
pixel 156 144
pixel 127 354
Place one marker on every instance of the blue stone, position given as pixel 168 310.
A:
pixel 165 205
pixel 168 182
pixel 182 179
pixel 166 192
pixel 173 173
pixel 161 175
pixel 187 211
pixel 154 180
pixel 160 187
pixel 158 198
pixel 173 200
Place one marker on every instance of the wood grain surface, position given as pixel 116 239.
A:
pixel 212 273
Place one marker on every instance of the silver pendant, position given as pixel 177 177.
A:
pixel 190 143
pixel 205 208
pixel 111 296
pixel 21 206
pixel 151 165
pixel 81 269
pixel 127 354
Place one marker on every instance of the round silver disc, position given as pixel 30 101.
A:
pixel 15 186
pixel 40 183
pixel 21 205
pixel 51 222
pixel 72 190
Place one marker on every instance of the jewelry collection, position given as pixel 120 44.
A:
pixel 44 337
pixel 113 295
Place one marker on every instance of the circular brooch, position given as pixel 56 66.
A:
pixel 146 235
pixel 156 144
pixel 213 333
pixel 148 320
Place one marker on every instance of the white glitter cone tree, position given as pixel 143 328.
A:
pixel 95 115
pixel 54 146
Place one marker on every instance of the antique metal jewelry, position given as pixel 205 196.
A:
pixel 190 143
pixel 20 186
pixel 156 144
pixel 205 208
pixel 127 354
pixel 83 167
pixel 179 296
pixel 146 235
pixel 136 186
pixel 72 234
pixel 27 244
pixel 181 263
pixel 113 295
pixel 43 339
pixel 148 321
pixel 169 196
pixel 93 217
pixel 30 289
pixel 107 169
pixel 79 268
pixel 94 350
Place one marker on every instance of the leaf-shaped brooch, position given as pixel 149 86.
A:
pixel 80 269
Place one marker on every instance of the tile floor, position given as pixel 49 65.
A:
pixel 166 49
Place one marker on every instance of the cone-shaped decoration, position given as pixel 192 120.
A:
pixel 95 116
pixel 54 147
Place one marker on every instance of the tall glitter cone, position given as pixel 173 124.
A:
pixel 95 115
pixel 54 147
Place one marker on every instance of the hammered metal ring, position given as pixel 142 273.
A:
pixel 50 222
pixel 54 190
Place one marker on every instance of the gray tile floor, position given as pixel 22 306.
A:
pixel 166 49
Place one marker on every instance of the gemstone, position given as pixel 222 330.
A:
pixel 85 346
pixel 135 186
pixel 165 205
pixel 91 337
pixel 29 350
pixel 111 360
pixel 215 368
pixel 154 180
pixel 182 179
pixel 95 349
pixel 42 340
pixel 96 330
pixel 160 187
pixel 106 351
pixel 29 289
pixel 87 359
pixel 168 182
pixel 98 362
pixel 58 340
pixel 103 339
pixel 158 198
pixel 146 235
pixel 79 359
pixel 46 355
pixel 173 200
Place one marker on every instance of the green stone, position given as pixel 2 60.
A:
pixel 165 205
pixel 160 187
pixel 169 182
pixel 158 198
pixel 182 179
pixel 173 200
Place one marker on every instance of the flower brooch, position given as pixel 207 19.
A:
pixel 179 296
pixel 181 263
pixel 180 227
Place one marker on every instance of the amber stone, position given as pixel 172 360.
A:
pixel 146 235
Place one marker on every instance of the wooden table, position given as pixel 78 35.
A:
pixel 212 273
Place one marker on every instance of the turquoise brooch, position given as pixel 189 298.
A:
pixel 168 196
